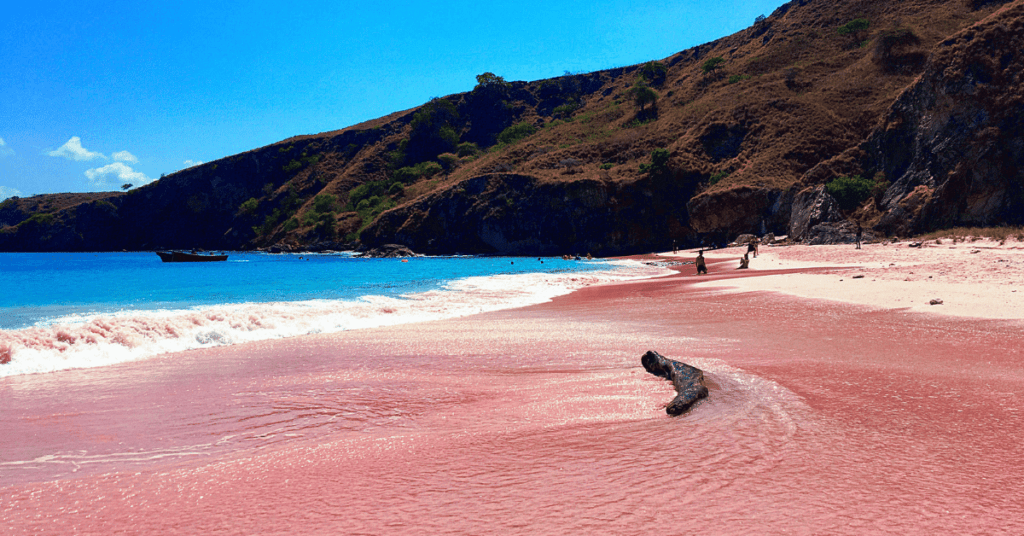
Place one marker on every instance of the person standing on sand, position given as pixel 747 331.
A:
pixel 752 247
pixel 860 233
pixel 701 267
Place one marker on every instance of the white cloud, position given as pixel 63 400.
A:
pixel 73 150
pixel 6 192
pixel 125 156
pixel 192 163
pixel 115 174
pixel 4 151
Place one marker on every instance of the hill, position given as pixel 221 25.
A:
pixel 903 116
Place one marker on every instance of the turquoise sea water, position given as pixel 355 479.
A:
pixel 41 287
pixel 70 310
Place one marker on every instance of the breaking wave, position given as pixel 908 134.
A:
pixel 82 341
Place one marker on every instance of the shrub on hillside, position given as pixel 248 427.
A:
pixel 896 50
pixel 249 206
pixel 325 203
pixel 467 148
pixel 712 65
pixel 857 29
pixel 448 160
pixel 411 174
pixel 642 95
pixel 433 132
pixel 516 132
pixel 565 110
pixel 654 73
pixel 850 192
pixel 490 80
pixel 658 164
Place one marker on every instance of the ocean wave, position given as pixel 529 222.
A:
pixel 83 341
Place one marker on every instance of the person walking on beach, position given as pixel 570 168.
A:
pixel 752 247
pixel 701 267
pixel 860 232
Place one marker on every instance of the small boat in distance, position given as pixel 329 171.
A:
pixel 181 256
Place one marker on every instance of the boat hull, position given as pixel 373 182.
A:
pixel 179 256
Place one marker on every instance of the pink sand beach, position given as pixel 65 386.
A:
pixel 838 405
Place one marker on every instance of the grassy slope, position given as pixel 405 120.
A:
pixel 792 96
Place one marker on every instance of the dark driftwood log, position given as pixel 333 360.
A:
pixel 688 381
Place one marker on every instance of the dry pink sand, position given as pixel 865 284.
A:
pixel 823 418
pixel 973 279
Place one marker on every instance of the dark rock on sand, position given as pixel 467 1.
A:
pixel 688 381
pixel 389 251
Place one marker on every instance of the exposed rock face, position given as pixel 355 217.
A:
pixel 810 208
pixel 953 144
pixel 522 215
pixel 389 251
pixel 840 232
pixel 740 210
pixel 688 381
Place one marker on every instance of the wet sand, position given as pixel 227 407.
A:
pixel 825 417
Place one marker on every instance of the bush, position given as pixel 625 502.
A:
pixel 410 174
pixel 712 65
pixel 642 95
pixel 448 160
pixel 396 189
pixel 294 165
pixel 850 192
pixel 894 48
pixel 365 191
pixel 565 110
pixel 39 219
pixel 738 78
pixel 854 26
pixel 654 73
pixel 325 203
pixel 433 132
pixel 249 206
pixel 491 80
pixel 516 132
pixel 291 225
pixel 717 177
pixel 467 148
pixel 607 165
pixel 659 162
pixel 856 29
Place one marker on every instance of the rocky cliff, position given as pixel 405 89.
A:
pixel 953 142
pixel 744 134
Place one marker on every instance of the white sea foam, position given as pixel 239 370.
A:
pixel 82 341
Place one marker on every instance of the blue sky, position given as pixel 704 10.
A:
pixel 96 94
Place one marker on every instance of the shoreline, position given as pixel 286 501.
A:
pixel 822 417
pixel 976 279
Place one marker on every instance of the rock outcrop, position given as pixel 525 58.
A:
pixel 953 143
pixel 512 214
pixel 812 207
pixel 688 381
pixel 389 251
